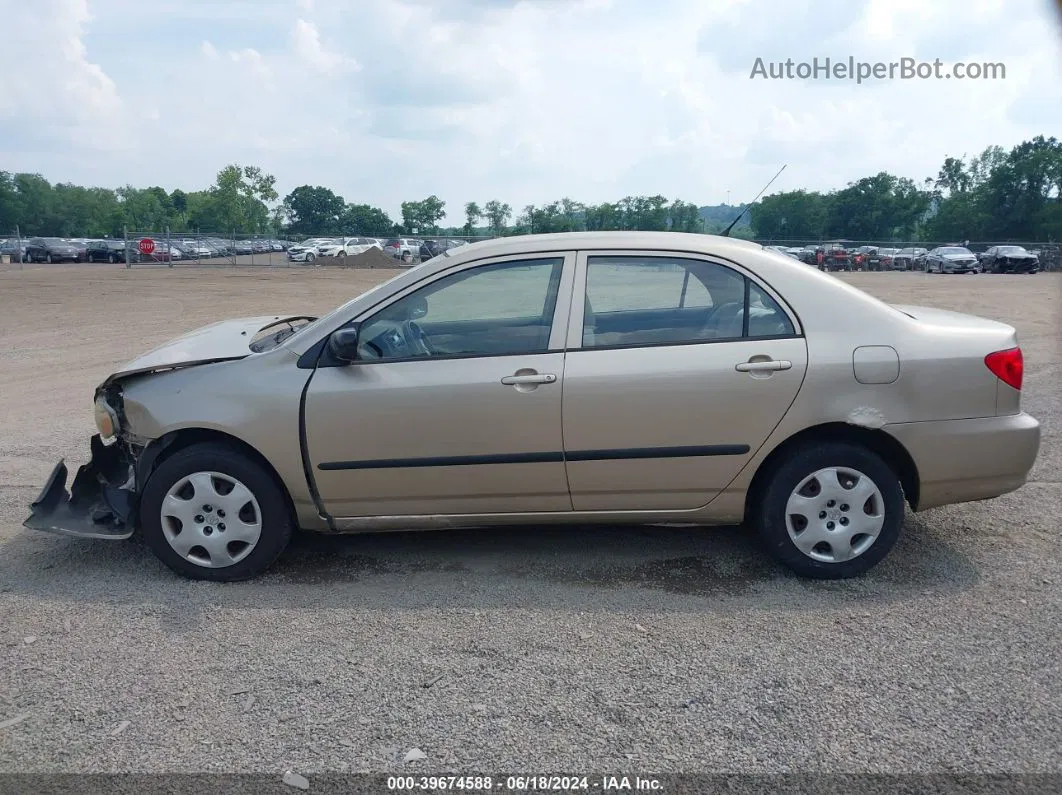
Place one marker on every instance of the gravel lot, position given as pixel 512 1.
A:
pixel 571 650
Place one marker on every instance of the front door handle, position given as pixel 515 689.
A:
pixel 533 378
pixel 768 366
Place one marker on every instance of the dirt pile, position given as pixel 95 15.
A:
pixel 373 258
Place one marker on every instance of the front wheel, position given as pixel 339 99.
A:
pixel 310 258
pixel 211 513
pixel 830 511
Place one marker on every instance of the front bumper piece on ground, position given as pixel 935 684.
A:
pixel 99 503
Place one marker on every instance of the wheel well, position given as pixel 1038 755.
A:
pixel 175 441
pixel 893 453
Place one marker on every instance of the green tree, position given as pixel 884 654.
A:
pixel 1021 193
pixel 603 217
pixel 473 214
pixel 314 211
pixel 237 200
pixel 498 215
pixel 877 208
pixel 362 219
pixel 424 215
pixel 684 217
pixel 9 204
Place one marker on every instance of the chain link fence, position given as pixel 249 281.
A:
pixel 168 248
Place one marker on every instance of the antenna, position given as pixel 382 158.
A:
pixel 726 232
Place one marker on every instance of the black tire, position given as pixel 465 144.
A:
pixel 768 512
pixel 276 519
pixel 111 259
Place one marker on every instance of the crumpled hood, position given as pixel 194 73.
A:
pixel 226 340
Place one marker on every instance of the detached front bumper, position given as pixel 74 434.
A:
pixel 100 501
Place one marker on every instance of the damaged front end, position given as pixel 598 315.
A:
pixel 100 501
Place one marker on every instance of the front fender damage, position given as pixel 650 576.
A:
pixel 101 499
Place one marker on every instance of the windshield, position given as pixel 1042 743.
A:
pixel 1012 250
pixel 954 250
pixel 326 319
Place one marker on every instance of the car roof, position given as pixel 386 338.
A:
pixel 565 241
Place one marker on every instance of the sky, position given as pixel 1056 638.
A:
pixel 522 101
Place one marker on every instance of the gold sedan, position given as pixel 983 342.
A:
pixel 589 377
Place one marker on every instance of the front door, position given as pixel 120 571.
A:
pixel 454 404
pixel 668 388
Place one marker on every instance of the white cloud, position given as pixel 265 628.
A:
pixel 306 41
pixel 50 83
pixel 529 101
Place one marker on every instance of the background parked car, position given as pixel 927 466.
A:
pixel 51 249
pixel 1009 259
pixel 13 249
pixel 107 251
pixel 306 251
pixel 861 257
pixel 345 247
pixel 836 257
pixel 882 259
pixel 904 259
pixel 433 248
pixel 951 259
pixel 164 252
pixel 196 249
pixel 404 248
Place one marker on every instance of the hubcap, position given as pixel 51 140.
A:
pixel 211 519
pixel 835 514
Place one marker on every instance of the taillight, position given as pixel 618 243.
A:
pixel 1008 366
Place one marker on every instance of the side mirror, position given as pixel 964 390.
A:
pixel 343 344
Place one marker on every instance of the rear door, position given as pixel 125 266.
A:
pixel 668 389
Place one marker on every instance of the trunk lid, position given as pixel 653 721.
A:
pixel 973 324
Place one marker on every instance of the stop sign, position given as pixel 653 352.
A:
pixel 147 246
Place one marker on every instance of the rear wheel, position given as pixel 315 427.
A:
pixel 830 510
pixel 49 259
pixel 211 513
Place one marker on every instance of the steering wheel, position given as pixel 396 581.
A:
pixel 416 338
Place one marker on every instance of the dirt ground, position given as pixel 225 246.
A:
pixel 617 649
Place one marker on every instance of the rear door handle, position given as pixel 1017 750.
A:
pixel 769 366
pixel 537 378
